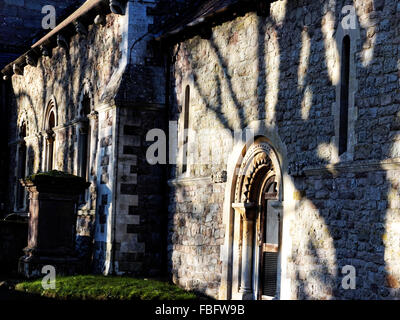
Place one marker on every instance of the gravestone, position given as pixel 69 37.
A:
pixel 53 200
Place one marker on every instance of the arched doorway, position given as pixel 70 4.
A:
pixel 257 225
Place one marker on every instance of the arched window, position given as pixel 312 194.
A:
pixel 186 129
pixel 50 138
pixel 344 95
pixel 84 138
pixel 85 134
pixel 21 169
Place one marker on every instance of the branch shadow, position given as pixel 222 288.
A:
pixel 353 206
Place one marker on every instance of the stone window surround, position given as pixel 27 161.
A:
pixel 83 131
pixel 41 140
pixel 229 280
pixel 49 134
pixel 91 193
pixel 354 35
pixel 246 262
pixel 188 81
pixel 20 140
pixel 90 122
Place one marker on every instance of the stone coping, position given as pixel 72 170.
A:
pixel 188 181
pixel 354 167
pixel 56 182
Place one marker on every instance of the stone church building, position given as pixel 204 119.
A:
pixel 250 149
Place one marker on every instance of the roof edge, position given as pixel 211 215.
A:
pixel 237 7
pixel 90 5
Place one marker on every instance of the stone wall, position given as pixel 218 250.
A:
pixel 62 79
pixel 5 101
pixel 285 71
pixel 21 25
pixel 141 215
pixel 139 197
pixel 105 190
pixel 123 222
pixel 125 241
pixel 88 66
pixel 196 234
pixel 350 219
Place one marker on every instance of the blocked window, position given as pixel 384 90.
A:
pixel 50 139
pixel 344 96
pixel 84 138
pixel 345 108
pixel 85 134
pixel 186 114
pixel 21 169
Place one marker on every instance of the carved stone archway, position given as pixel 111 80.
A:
pixel 258 166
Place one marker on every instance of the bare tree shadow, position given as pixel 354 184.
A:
pixel 352 205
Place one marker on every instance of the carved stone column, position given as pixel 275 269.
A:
pixel 87 211
pixel 83 130
pixel 94 125
pixel 39 139
pixel 50 138
pixel 248 213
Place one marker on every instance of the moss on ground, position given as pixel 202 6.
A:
pixel 95 287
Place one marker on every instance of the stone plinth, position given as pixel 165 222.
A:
pixel 53 202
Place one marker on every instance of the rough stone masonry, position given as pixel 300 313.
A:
pixel 290 72
pixel 281 74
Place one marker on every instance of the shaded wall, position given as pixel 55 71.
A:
pixel 13 239
pixel 283 70
pixel 5 89
pixel 86 67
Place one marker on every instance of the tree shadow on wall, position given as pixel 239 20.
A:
pixel 353 205
pixel 63 75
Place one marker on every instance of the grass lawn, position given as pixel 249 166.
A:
pixel 95 287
